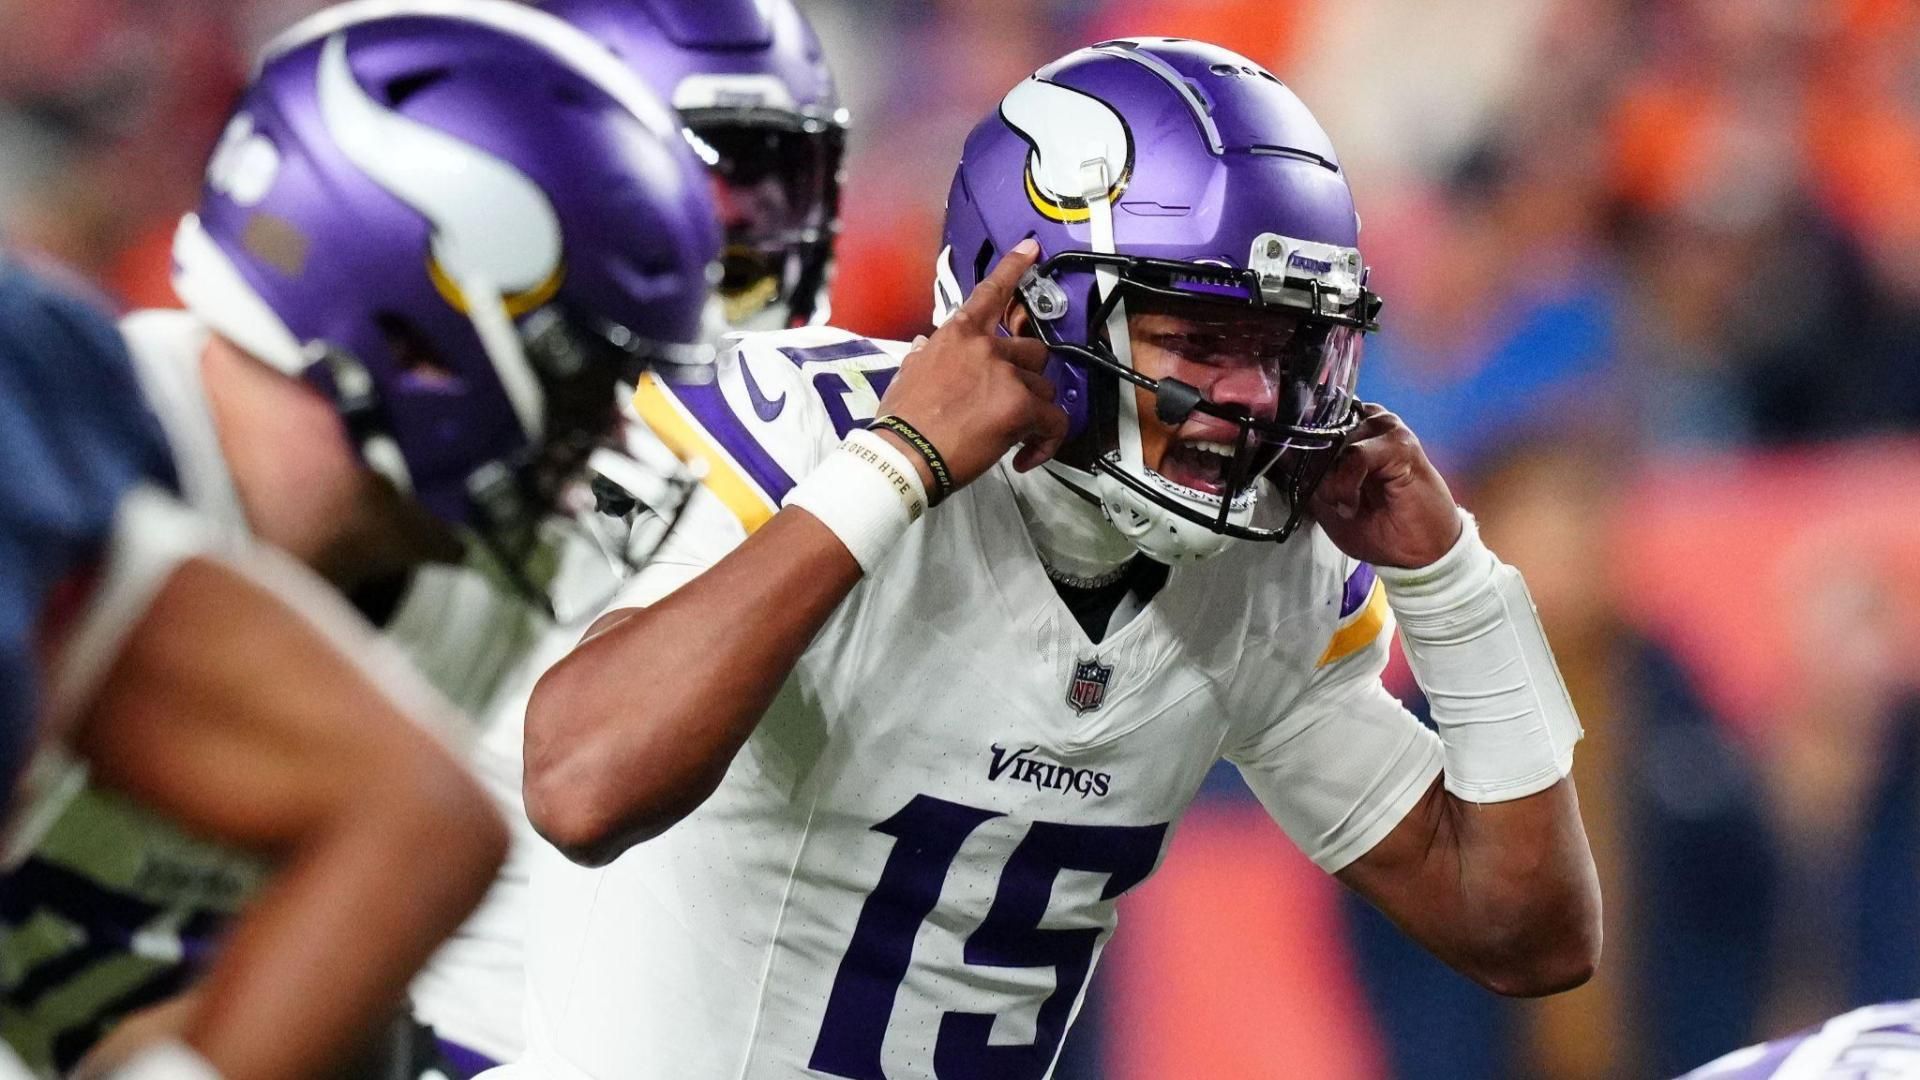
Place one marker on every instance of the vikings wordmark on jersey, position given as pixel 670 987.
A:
pixel 911 868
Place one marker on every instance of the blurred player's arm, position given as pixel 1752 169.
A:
pixel 637 726
pixel 226 701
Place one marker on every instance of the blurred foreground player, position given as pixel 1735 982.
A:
pixel 749 81
pixel 1879 1042
pixel 488 222
pixel 218 688
pixel 856 794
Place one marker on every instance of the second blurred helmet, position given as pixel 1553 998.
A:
pixel 752 86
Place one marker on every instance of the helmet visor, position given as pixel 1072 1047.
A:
pixel 1287 376
pixel 774 185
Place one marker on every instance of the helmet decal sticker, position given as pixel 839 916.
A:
pixel 1067 129
pixel 245 163
pixel 489 219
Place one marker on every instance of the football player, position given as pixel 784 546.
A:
pixel 748 79
pixel 488 221
pixel 1879 1041
pixel 851 792
pixel 213 685
pixel 752 84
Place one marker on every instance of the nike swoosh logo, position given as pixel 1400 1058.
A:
pixel 763 407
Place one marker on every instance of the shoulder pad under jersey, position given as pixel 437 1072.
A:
pixel 777 404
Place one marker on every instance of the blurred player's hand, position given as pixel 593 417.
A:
pixel 1382 501
pixel 976 394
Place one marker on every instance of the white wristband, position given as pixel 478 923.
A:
pixel 867 492
pixel 1474 642
pixel 169 1059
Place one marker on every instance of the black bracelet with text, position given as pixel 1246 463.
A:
pixel 942 478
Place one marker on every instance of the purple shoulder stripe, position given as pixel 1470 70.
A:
pixel 717 419
pixel 845 350
pixel 1359 587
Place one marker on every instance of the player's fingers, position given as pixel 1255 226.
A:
pixel 1041 386
pixel 919 342
pixel 1375 421
pixel 989 299
pixel 1049 431
pixel 1339 490
pixel 1025 354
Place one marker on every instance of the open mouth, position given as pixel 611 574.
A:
pixel 1199 464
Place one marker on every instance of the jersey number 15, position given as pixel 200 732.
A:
pixel 927 836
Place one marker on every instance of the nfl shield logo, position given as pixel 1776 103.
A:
pixel 1089 686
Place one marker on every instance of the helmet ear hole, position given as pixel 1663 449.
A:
pixel 414 351
pixel 406 86
pixel 982 259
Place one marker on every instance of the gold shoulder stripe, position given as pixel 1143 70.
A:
pixel 684 436
pixel 1360 631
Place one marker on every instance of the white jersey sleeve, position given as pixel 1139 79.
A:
pixel 778 404
pixel 1341 765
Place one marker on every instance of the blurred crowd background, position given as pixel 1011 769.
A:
pixel 1652 271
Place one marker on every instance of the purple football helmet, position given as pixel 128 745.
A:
pixel 1162 174
pixel 482 223
pixel 750 81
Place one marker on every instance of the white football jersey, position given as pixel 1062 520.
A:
pixel 910 869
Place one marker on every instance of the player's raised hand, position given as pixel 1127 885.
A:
pixel 975 393
pixel 1382 501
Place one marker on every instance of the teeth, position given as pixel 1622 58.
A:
pixel 1222 449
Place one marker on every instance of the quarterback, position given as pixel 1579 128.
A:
pixel 849 778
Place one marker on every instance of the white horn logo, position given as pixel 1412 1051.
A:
pixel 490 221
pixel 1066 129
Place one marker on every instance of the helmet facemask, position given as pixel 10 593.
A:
pixel 1301 335
pixel 776 178
pixel 522 507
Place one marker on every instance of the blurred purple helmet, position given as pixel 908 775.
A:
pixel 1163 172
pixel 466 224
pixel 750 81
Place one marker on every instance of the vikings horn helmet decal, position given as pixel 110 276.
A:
pixel 466 223
pixel 487 216
pixel 1174 178
pixel 1066 129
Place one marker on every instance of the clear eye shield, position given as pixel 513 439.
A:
pixel 1295 316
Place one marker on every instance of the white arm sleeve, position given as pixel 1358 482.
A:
pixel 1345 763
pixel 1475 644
